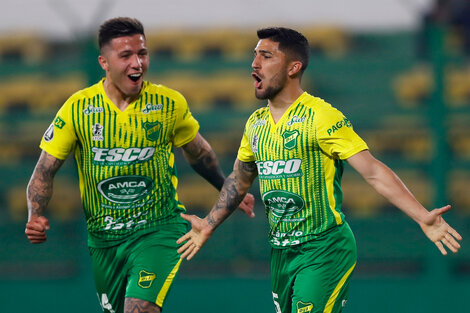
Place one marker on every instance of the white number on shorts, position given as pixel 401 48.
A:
pixel 276 304
pixel 105 305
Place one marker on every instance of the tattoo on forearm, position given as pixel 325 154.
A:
pixel 133 305
pixel 203 160
pixel 248 167
pixel 229 199
pixel 39 190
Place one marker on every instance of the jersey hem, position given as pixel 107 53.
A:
pixel 94 242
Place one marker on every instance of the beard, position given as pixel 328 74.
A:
pixel 278 83
pixel 268 93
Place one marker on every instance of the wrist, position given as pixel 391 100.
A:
pixel 210 225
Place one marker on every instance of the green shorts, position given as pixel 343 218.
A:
pixel 314 277
pixel 143 267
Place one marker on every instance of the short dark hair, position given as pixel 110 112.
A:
pixel 118 27
pixel 291 42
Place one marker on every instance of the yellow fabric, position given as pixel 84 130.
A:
pixel 166 286
pixel 331 301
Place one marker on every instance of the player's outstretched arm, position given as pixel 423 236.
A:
pixel 203 160
pixel 233 191
pixel 38 194
pixel 389 185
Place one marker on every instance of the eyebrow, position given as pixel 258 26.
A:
pixel 263 51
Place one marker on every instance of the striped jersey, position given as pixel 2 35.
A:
pixel 300 164
pixel 125 160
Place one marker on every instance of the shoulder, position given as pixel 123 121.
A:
pixel 86 93
pixel 258 115
pixel 321 108
pixel 164 91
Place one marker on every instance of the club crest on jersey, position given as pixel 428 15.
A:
pixel 146 279
pixel 290 139
pixel 254 144
pixel 152 130
pixel 97 131
pixel 304 307
pixel 49 134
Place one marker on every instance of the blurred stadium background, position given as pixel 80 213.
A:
pixel 414 115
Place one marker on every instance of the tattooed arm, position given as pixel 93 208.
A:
pixel 203 160
pixel 38 194
pixel 234 190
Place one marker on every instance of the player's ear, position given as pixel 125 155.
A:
pixel 294 68
pixel 103 63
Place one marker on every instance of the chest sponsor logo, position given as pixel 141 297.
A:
pixel 91 109
pixel 304 307
pixel 279 169
pixel 290 139
pixel 151 108
pixel 59 123
pixel 97 132
pixel 125 189
pixel 295 119
pixel 146 279
pixel 152 130
pixel 338 126
pixel 283 203
pixel 259 123
pixel 121 156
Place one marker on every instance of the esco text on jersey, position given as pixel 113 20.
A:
pixel 121 154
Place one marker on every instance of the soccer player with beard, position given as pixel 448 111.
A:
pixel 297 146
pixel 122 131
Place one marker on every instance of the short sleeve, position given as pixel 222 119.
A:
pixel 335 134
pixel 60 137
pixel 186 126
pixel 245 154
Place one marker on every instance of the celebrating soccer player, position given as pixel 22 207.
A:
pixel 122 131
pixel 297 146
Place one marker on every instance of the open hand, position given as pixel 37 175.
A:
pixel 195 238
pixel 440 232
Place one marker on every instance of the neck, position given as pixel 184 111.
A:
pixel 120 99
pixel 282 101
pixel 285 98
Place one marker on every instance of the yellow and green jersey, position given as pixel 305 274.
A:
pixel 300 164
pixel 125 160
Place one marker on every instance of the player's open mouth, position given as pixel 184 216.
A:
pixel 257 79
pixel 135 77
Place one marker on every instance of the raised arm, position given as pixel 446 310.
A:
pixel 38 194
pixel 233 191
pixel 203 160
pixel 389 185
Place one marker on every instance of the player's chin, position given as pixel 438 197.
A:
pixel 260 95
pixel 133 89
